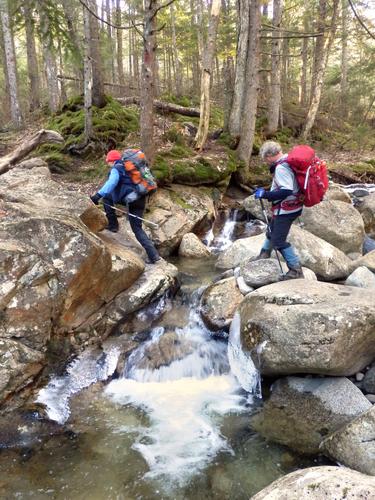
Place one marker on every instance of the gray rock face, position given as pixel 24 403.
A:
pixel 309 327
pixel 192 247
pixel 219 303
pixel 324 259
pixel 367 260
pixel 301 412
pixel 240 251
pixel 253 206
pixel 177 212
pixel 362 278
pixel 367 209
pixel 335 192
pixel 369 381
pixel 260 272
pixel 336 222
pixel 354 444
pixel 318 483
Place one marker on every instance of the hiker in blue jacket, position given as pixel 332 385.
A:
pixel 286 203
pixel 119 188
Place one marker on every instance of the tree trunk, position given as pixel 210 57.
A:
pixel 240 74
pixel 207 66
pixel 10 60
pixel 32 61
pixel 305 53
pixel 69 14
pixel 9 161
pixel 344 58
pixel 178 72
pixel 147 87
pixel 120 64
pixel 275 93
pixel 6 104
pixel 195 56
pixel 249 109
pixel 98 97
pixel 321 60
pixel 228 77
pixel 88 76
pixel 49 58
pixel 110 40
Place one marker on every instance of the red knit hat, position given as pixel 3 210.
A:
pixel 113 155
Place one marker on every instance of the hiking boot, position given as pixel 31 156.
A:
pixel 294 273
pixel 153 261
pixel 264 254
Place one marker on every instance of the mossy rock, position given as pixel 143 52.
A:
pixel 58 163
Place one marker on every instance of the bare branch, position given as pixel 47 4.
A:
pixel 117 27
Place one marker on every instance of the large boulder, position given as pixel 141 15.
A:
pixel 240 251
pixel 301 412
pixel 367 209
pixel 260 272
pixel 327 261
pixel 336 222
pixel 192 247
pixel 178 211
pixel 367 260
pixel 336 192
pixel 318 483
pixel 254 207
pixel 354 444
pixel 219 303
pixel 309 327
pixel 361 277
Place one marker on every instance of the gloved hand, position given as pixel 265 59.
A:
pixel 95 198
pixel 129 198
pixel 259 193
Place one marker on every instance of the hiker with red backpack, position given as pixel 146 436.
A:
pixel 128 183
pixel 299 178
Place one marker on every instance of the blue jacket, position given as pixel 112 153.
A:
pixel 119 183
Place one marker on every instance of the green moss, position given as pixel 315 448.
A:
pixel 179 201
pixel 173 135
pixel 178 151
pixel 58 163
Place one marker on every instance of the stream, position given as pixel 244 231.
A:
pixel 156 430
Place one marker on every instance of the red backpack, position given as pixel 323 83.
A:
pixel 310 172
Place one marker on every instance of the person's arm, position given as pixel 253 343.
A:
pixel 277 194
pixel 111 183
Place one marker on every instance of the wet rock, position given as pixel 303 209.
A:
pixel 367 260
pixel 310 327
pixel 192 247
pixel 367 209
pixel 359 376
pixel 360 193
pixel 362 278
pixel 369 381
pixel 368 245
pixel 219 303
pixel 301 412
pixel 317 483
pixel 260 272
pixel 335 192
pixel 354 444
pixel 345 229
pixel 240 251
pixel 327 261
pixel 169 347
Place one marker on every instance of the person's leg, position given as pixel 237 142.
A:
pixel 265 252
pixel 279 234
pixel 137 208
pixel 110 213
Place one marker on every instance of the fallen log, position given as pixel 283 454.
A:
pixel 29 144
pixel 165 107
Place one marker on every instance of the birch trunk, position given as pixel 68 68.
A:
pixel 177 66
pixel 240 71
pixel 88 76
pixel 10 60
pixel 98 97
pixel 49 59
pixel 275 93
pixel 320 65
pixel 147 87
pixel 32 61
pixel 207 66
pixel 249 110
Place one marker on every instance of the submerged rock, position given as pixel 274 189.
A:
pixel 301 412
pixel 317 483
pixel 309 327
pixel 354 444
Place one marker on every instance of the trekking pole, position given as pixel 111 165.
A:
pixel 153 224
pixel 265 215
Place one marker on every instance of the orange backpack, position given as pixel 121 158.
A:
pixel 136 166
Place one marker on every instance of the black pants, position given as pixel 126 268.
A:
pixel 279 229
pixel 136 208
